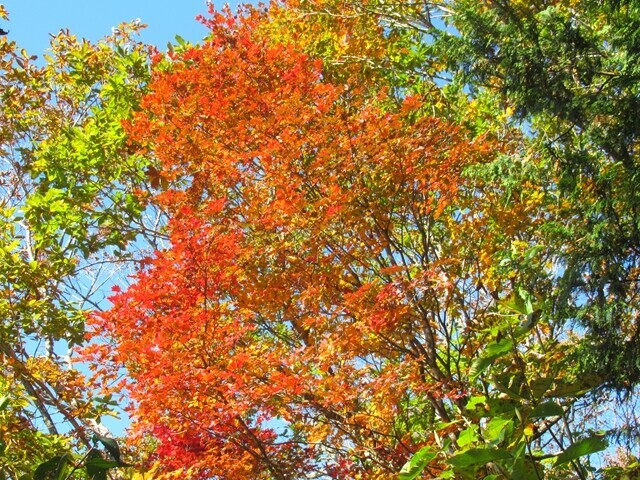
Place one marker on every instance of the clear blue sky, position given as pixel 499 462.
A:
pixel 31 21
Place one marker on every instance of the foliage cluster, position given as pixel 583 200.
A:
pixel 370 240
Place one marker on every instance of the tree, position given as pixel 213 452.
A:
pixel 302 319
pixel 68 208
pixel 569 69
pixel 565 74
pixel 367 266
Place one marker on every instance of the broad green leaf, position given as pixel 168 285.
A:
pixel 467 436
pixel 527 304
pixel 492 351
pixel 476 402
pixel 478 456
pixel 532 252
pixel 447 474
pixel 495 428
pixel 539 386
pixel 547 409
pixel 583 447
pixel 96 471
pixel 416 463
pixel 510 385
pixel 54 468
pixel 563 389
pixel 490 407
pixel 101 463
pixel 525 469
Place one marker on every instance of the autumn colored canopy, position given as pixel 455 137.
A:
pixel 289 325
pixel 340 240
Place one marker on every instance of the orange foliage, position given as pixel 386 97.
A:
pixel 288 328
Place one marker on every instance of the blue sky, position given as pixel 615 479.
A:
pixel 31 21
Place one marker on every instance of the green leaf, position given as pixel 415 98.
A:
pixel 101 463
pixel 416 463
pixel 531 253
pixel 492 351
pixel 56 465
pixel 447 474
pixel 467 436
pixel 525 469
pixel 583 447
pixel 496 349
pixel 95 470
pixel 481 407
pixel 110 445
pixel 475 402
pixel 478 456
pixel 577 388
pixel 527 304
pixel 547 409
pixel 540 386
pixel 509 385
pixel 495 428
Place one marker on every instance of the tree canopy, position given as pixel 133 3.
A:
pixel 349 240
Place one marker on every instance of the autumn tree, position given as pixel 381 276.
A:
pixel 331 301
pixel 556 219
pixel 68 208
pixel 306 318
pixel 370 260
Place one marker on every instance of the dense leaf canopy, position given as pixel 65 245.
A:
pixel 349 240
